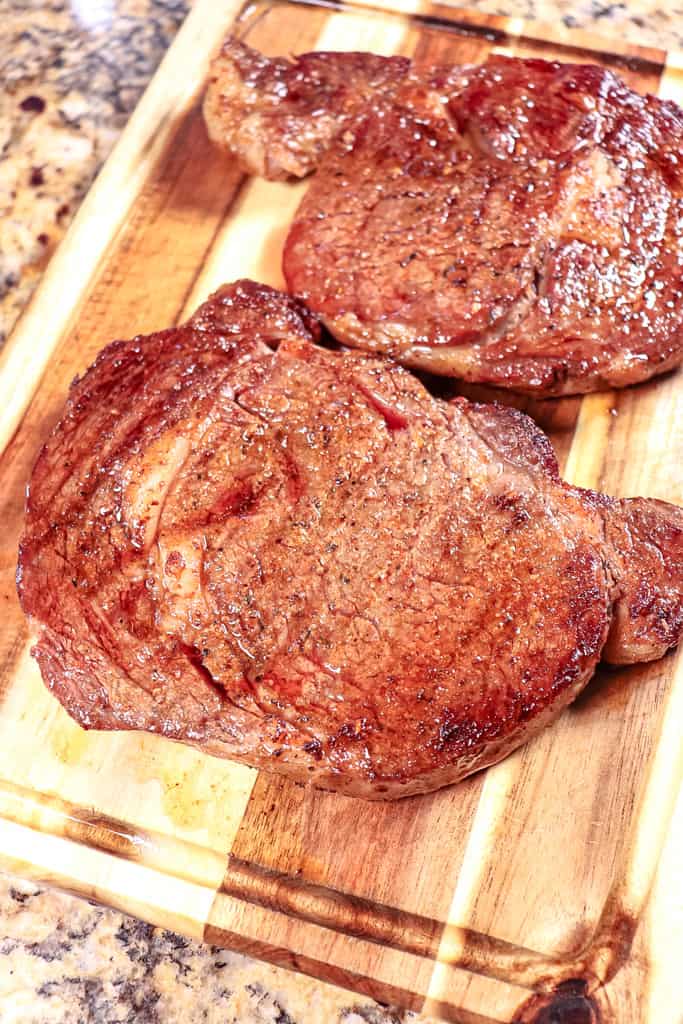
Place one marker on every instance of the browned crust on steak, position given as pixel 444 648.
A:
pixel 279 116
pixel 301 560
pixel 648 616
pixel 517 224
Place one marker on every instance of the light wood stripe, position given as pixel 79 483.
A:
pixel 671 83
pixel 664 925
pixel 154 896
pixel 160 800
pixel 453 948
pixel 649 828
pixel 50 815
pixel 587 454
pixel 250 241
pixel 514 28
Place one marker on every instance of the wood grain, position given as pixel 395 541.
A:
pixel 521 892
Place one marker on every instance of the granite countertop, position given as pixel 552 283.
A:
pixel 64 960
pixel 72 74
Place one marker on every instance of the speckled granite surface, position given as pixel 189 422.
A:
pixel 64 961
pixel 72 73
pixel 646 22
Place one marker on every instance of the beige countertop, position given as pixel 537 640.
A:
pixel 72 74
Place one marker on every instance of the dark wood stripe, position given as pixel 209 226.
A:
pixel 333 845
pixel 321 970
pixel 451 21
pixel 342 912
pixel 462 44
pixel 385 925
pixel 574 52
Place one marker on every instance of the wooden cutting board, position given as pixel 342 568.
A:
pixel 520 888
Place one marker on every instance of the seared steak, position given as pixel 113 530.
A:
pixel 301 560
pixel 280 117
pixel 518 224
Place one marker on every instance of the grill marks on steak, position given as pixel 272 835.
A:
pixel 301 560
pixel 517 224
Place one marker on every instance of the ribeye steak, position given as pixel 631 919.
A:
pixel 518 224
pixel 300 559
